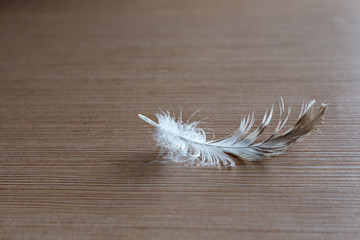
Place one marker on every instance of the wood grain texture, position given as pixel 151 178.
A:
pixel 73 152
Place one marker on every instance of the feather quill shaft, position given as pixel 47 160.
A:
pixel 186 142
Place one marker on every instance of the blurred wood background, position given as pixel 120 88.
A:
pixel 73 152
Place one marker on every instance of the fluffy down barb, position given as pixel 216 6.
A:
pixel 186 142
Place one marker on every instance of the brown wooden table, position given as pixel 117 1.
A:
pixel 74 155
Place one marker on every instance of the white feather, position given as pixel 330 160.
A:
pixel 186 142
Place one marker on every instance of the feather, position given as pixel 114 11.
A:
pixel 186 142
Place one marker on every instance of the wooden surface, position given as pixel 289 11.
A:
pixel 73 152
